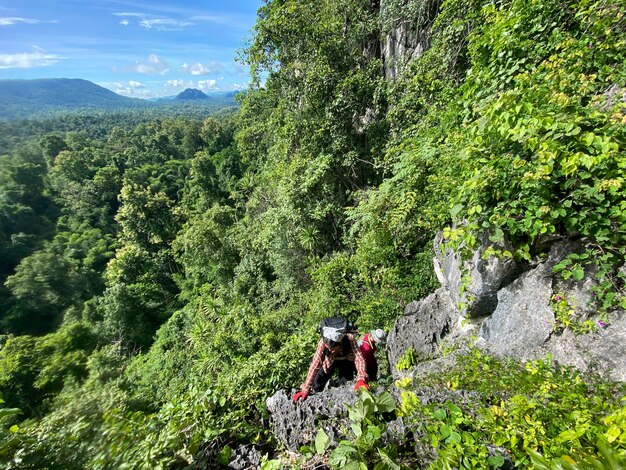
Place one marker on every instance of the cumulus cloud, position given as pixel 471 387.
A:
pixel 201 69
pixel 239 86
pixel 164 24
pixel 207 85
pixel 131 89
pixel 175 83
pixel 125 22
pixel 27 60
pixel 14 20
pixel 153 66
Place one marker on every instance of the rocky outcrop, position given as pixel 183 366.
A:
pixel 245 457
pixel 603 351
pixel 473 284
pixel 408 25
pixel 296 424
pixel 512 313
pixel 523 319
pixel 422 328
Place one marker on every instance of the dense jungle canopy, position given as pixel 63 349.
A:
pixel 161 276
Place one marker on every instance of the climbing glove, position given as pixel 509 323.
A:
pixel 361 384
pixel 300 396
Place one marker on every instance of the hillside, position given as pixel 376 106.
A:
pixel 23 98
pixel 191 94
pixel 448 171
pixel 36 99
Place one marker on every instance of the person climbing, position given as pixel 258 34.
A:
pixel 368 345
pixel 336 350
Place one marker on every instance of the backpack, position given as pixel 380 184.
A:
pixel 333 329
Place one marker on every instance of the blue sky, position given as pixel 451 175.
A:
pixel 138 49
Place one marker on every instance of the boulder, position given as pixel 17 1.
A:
pixel 245 457
pixel 484 275
pixel 423 326
pixel 523 320
pixel 523 324
pixel 602 351
pixel 296 424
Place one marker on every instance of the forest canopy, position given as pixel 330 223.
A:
pixel 160 276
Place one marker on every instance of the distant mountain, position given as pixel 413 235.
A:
pixel 191 94
pixel 23 98
pixel 28 99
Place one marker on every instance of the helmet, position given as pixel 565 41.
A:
pixel 379 336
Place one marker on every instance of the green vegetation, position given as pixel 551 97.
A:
pixel 162 274
pixel 530 413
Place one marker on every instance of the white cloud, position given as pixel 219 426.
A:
pixel 131 89
pixel 175 83
pixel 125 22
pixel 135 15
pixel 14 20
pixel 202 69
pixel 164 24
pixel 207 85
pixel 134 93
pixel 238 86
pixel 153 66
pixel 27 60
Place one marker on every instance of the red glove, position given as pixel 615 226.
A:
pixel 361 384
pixel 300 395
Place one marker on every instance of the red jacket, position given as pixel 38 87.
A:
pixel 368 348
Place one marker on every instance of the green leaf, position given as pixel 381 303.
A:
pixel 578 273
pixel 13 429
pixel 322 441
pixel 385 402
pixel 387 461
pixel 455 210
pixel 340 455
pixel 223 457
pixel 612 433
pixel 497 236
pixel 496 461
pixel 5 412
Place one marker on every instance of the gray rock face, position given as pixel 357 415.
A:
pixel 485 276
pixel 296 424
pixel 523 320
pixel 245 457
pixel 406 40
pixel 602 351
pixel 522 326
pixel 424 325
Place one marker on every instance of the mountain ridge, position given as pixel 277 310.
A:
pixel 24 99
pixel 21 98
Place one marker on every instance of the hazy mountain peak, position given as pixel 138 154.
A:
pixel 191 94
